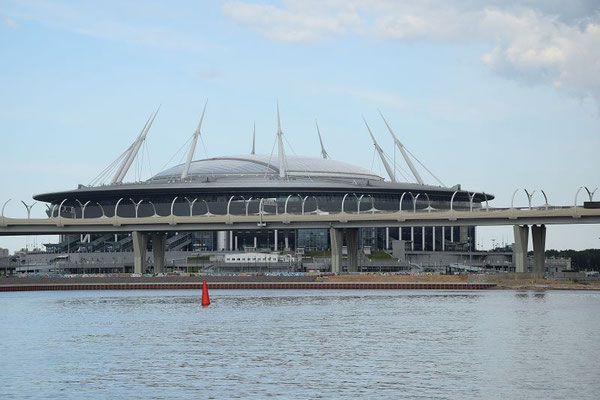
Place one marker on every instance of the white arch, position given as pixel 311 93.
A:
pixel 316 202
pixel 116 223
pixel 231 198
pixel 3 206
pixel 343 201
pixel 471 198
pixel 545 199
pixel 401 199
pixel 136 205
pixel 28 208
pixel 102 209
pixel 529 196
pixel 58 214
pixel 82 206
pixel 154 208
pixel 191 205
pixel 512 199
pixel 286 202
pixel 590 193
pixel 248 204
pixel 575 202
pixel 173 205
pixel 429 208
pixel 260 212
pixel 415 202
pixel 358 200
pixel 487 205
pixel 452 200
pixel 208 213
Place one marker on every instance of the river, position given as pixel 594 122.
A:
pixel 300 344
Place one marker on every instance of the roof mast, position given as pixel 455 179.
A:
pixel 133 150
pixel 254 140
pixel 186 168
pixel 403 151
pixel 280 147
pixel 323 151
pixel 381 154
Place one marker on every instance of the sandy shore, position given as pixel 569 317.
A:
pixel 507 282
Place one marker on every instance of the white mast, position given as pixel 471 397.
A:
pixel 389 169
pixel 135 147
pixel 128 152
pixel 323 151
pixel 403 151
pixel 280 147
pixel 186 168
pixel 254 140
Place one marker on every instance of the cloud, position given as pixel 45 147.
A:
pixel 149 25
pixel 533 41
pixel 377 97
pixel 10 23
pixel 298 23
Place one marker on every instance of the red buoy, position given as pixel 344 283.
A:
pixel 205 297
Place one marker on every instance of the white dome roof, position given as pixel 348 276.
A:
pixel 256 165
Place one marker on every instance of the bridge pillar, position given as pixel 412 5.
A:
pixel 158 252
pixel 140 240
pixel 538 237
pixel 520 248
pixel 352 248
pixel 443 238
pixel 336 236
pixel 221 241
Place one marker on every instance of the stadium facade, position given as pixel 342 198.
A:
pixel 268 184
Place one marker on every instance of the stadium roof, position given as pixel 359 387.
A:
pixel 264 165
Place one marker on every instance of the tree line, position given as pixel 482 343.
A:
pixel 588 259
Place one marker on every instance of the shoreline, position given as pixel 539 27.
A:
pixel 303 282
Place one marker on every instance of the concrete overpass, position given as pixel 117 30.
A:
pixel 340 224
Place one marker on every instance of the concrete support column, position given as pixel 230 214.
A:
pixel 520 248
pixel 443 238
pixel 412 238
pixel 336 236
pixel 158 252
pixel 221 240
pixel 423 239
pixel 387 238
pixel 451 234
pixel 433 238
pixel 538 237
pixel 275 236
pixel 255 242
pixel 352 248
pixel 287 242
pixel 140 240
pixel 230 240
pixel 235 241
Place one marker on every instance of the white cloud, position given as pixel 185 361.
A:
pixel 10 23
pixel 145 24
pixel 535 41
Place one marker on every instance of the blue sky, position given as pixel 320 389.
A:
pixel 492 95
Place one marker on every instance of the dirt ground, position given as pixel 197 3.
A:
pixel 502 282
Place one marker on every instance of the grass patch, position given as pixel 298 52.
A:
pixel 318 253
pixel 380 255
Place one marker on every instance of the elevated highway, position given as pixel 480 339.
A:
pixel 340 224
pixel 478 217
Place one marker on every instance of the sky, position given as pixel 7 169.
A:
pixel 494 95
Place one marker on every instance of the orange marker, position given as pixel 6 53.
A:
pixel 205 297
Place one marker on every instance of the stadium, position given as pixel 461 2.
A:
pixel 254 184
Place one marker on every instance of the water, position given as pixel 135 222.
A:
pixel 294 344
